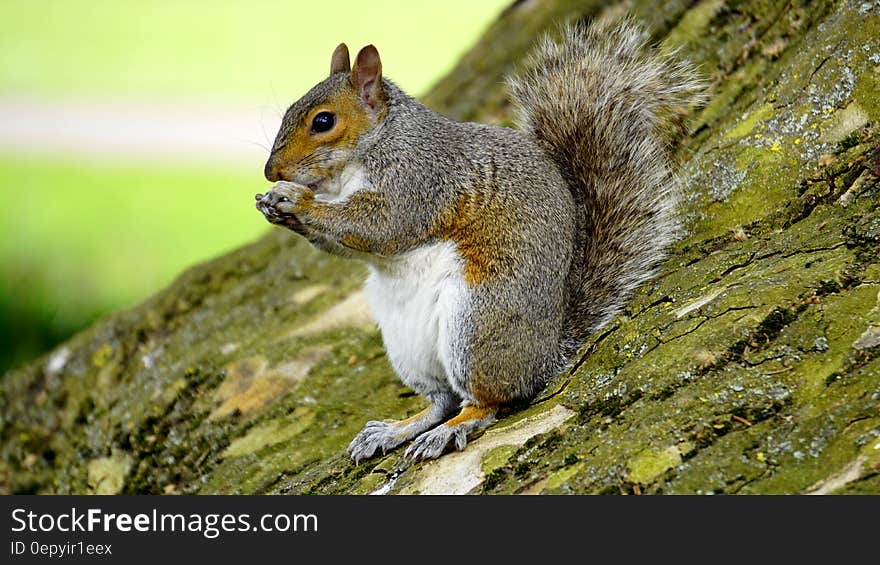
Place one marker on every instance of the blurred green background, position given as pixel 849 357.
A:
pixel 133 134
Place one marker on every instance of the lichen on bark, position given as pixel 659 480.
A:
pixel 749 365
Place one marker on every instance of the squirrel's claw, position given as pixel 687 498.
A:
pixel 376 436
pixel 434 443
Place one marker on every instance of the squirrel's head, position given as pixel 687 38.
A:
pixel 320 131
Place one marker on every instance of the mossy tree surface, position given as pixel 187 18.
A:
pixel 749 365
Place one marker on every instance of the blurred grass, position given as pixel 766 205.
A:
pixel 227 49
pixel 80 238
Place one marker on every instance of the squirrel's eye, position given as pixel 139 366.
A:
pixel 324 121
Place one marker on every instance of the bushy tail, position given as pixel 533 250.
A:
pixel 601 104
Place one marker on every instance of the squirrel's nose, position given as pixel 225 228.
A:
pixel 271 171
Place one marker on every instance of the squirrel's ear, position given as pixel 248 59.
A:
pixel 366 76
pixel 339 62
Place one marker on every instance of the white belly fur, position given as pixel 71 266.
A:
pixel 416 299
pixel 352 179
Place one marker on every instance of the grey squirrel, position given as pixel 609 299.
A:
pixel 493 253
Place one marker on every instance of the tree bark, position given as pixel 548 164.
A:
pixel 748 365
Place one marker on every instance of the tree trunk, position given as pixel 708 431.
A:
pixel 749 365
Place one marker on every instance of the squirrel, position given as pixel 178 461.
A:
pixel 493 252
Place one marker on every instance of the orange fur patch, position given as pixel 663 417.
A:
pixel 352 120
pixel 480 229
pixel 469 413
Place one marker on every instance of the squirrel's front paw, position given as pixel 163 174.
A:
pixel 376 436
pixel 280 204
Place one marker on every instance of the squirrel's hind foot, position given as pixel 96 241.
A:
pixel 376 437
pixel 436 442
pixel 381 437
